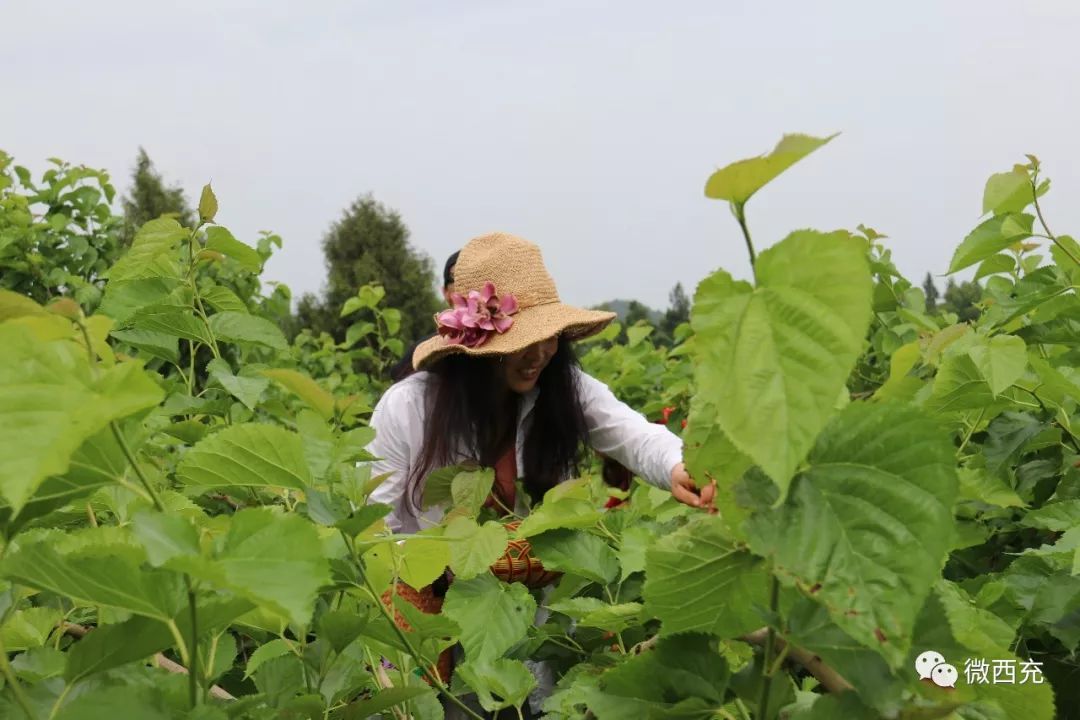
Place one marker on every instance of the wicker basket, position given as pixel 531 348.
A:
pixel 426 601
pixel 518 565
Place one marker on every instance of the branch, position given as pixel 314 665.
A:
pixel 160 660
pixel 829 678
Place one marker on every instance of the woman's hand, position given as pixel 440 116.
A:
pixel 685 490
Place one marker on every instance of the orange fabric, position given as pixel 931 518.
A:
pixel 505 477
pixel 425 601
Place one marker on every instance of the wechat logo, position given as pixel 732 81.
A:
pixel 931 666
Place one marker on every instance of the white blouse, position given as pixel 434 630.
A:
pixel 616 430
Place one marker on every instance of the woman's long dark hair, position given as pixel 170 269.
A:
pixel 463 412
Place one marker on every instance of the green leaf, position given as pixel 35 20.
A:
pixel 809 626
pixel 173 320
pixel 217 656
pixel 153 242
pixel 89 579
pixel 271 559
pixel 493 616
pixel 1056 607
pixel 221 240
pixel 247 390
pixel 250 454
pixel 123 299
pixel 614 618
pixel 13 305
pixel 564 513
pixel 1001 361
pixel 636 540
pixel 683 677
pixel 156 344
pixel 305 388
pixel 577 607
pixel 439 487
pixel 1007 435
pixel 867 525
pixel 431 632
pixel 1008 192
pixel 740 180
pixel 165 536
pixel 697 581
pixel 357 331
pixel 111 646
pixel 38 664
pixel 576 552
pixel 1000 263
pixel 29 628
pixel 275 648
pixel 991 237
pixel 952 625
pixel 97 462
pixel 1066 254
pixel 978 484
pixel 422 560
pixel 827 707
pixel 208 205
pixel 370 295
pixel 637 333
pixel 363 518
pixel 499 684
pixel 470 490
pixel 117 701
pixel 382 701
pixel 1058 516
pixel 242 328
pixel 474 548
pixel 49 405
pixel 341 627
pixel 392 318
pixel 772 360
pixel 975 370
pixel 223 299
pixel 710 455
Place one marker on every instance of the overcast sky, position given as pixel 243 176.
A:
pixel 587 127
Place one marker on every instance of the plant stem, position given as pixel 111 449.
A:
pixel 1042 221
pixel 610 536
pixel 560 643
pixel 181 643
pixel 740 214
pixel 60 700
pixel 13 683
pixel 432 677
pixel 970 432
pixel 135 466
pixel 191 367
pixel 193 665
pixel 770 643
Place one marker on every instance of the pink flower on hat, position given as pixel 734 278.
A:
pixel 475 318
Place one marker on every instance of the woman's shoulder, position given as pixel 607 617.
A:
pixel 587 383
pixel 406 393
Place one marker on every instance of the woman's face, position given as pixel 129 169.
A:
pixel 522 369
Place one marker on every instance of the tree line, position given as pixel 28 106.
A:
pixel 368 243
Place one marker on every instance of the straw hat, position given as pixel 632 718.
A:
pixel 505 300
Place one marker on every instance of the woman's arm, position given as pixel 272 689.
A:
pixel 647 449
pixel 618 431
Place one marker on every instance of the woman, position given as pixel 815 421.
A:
pixel 500 385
